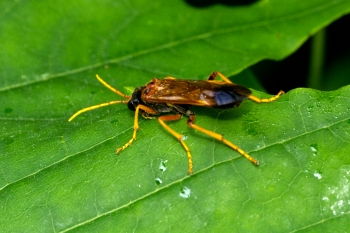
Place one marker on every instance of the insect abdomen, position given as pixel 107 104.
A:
pixel 227 96
pixel 226 99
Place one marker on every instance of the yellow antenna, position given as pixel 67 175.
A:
pixel 103 104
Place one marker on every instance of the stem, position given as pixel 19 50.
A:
pixel 317 59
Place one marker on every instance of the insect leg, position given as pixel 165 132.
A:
pixel 146 115
pixel 96 106
pixel 161 120
pixel 215 74
pixel 111 88
pixel 258 100
pixel 219 137
pixel 136 125
pixel 254 98
pixel 169 77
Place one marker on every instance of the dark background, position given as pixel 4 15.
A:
pixel 293 71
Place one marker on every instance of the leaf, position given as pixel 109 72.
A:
pixel 60 176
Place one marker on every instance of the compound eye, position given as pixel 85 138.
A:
pixel 131 106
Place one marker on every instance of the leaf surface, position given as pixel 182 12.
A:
pixel 60 176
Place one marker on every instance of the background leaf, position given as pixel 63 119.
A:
pixel 60 176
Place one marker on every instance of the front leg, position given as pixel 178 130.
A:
pixel 136 124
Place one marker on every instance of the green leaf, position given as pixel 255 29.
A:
pixel 59 176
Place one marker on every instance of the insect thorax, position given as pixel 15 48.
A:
pixel 136 99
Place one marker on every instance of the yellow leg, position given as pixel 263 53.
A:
pixel 161 120
pixel 136 125
pixel 169 77
pixel 221 138
pixel 258 100
pixel 254 98
pixel 215 74
pixel 96 106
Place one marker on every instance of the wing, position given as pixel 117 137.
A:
pixel 192 92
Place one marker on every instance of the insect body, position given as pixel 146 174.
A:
pixel 170 95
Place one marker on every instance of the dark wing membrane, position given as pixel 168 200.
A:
pixel 192 92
